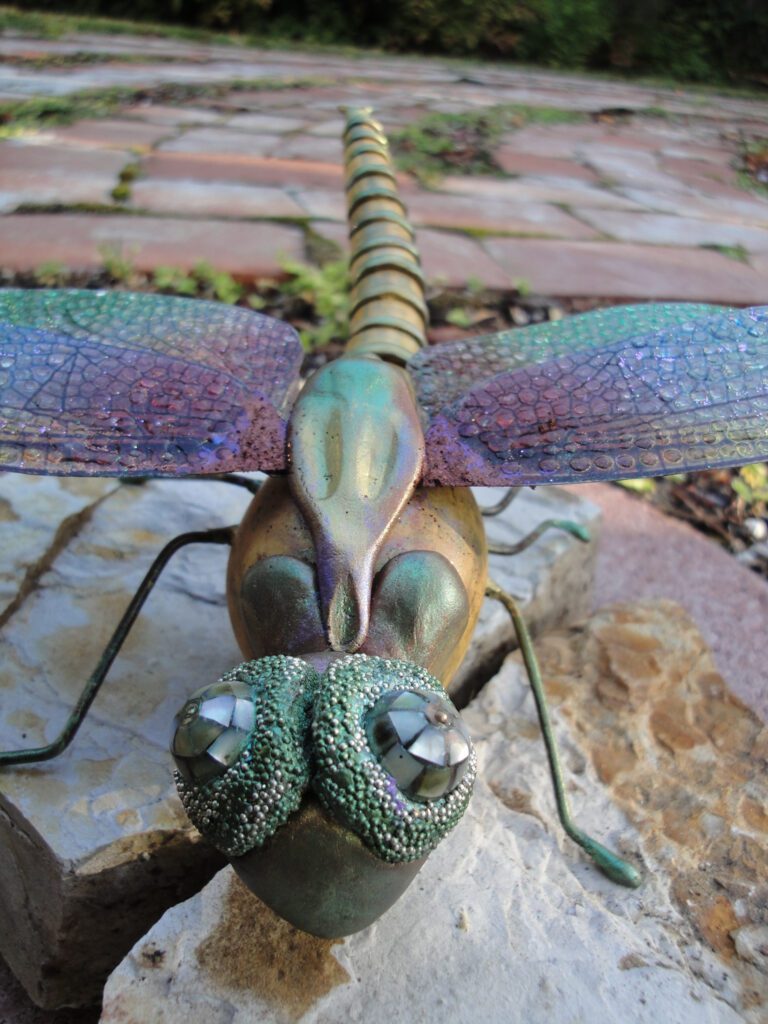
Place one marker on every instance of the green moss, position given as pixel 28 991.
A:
pixel 465 143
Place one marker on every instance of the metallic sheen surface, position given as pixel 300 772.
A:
pixel 321 877
pixel 419 739
pixel 428 580
pixel 693 395
pixel 387 308
pixel 212 730
pixel 357 453
pixel 116 384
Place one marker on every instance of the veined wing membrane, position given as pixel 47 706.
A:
pixel 121 384
pixel 443 373
pixel 691 396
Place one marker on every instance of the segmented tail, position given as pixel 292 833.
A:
pixel 388 315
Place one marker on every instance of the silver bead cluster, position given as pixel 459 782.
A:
pixel 352 784
pixel 244 806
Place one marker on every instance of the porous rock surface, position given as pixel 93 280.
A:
pixel 95 842
pixel 507 921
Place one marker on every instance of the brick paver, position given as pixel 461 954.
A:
pixel 604 205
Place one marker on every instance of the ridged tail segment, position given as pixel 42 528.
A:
pixel 388 315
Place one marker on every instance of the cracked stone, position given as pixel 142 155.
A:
pixel 520 923
pixel 101 825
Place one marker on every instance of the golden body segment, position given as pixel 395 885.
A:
pixel 442 520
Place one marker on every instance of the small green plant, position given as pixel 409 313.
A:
pixel 458 317
pixel 733 252
pixel 118 265
pixel 129 174
pixel 174 281
pixel 217 283
pixel 326 290
pixel 51 274
pixel 443 143
pixel 751 483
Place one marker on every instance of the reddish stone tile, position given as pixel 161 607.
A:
pixel 692 171
pixel 220 141
pixel 57 174
pixel 246 170
pixel 559 141
pixel 315 148
pixel 690 151
pixel 456 259
pixel 156 113
pixel 78 241
pixel 269 123
pixel 739 208
pixel 323 204
pixel 665 229
pixel 535 190
pixel 56 161
pixel 439 210
pixel 111 134
pixel 613 270
pixel 213 199
pixel 511 160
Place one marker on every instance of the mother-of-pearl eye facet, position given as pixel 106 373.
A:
pixel 359 777
pixel 212 730
pixel 242 751
pixel 419 739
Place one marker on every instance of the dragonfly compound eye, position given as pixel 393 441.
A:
pixel 240 747
pixel 212 730
pixel 394 762
pixel 418 737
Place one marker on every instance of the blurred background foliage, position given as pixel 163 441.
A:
pixel 689 40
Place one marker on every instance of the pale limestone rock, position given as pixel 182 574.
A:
pixel 508 922
pixel 96 845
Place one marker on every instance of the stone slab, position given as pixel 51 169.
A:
pixel 666 229
pixel 79 241
pixel 245 170
pixel 111 133
pixel 507 921
pixel 647 556
pixel 512 161
pixel 35 172
pixel 567 191
pixel 490 214
pixel 626 272
pixel 100 826
pixel 205 199
pixel 746 207
pixel 222 141
pixel 158 113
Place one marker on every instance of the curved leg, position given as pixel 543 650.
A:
pixel 92 687
pixel 617 869
pixel 575 529
pixel 505 502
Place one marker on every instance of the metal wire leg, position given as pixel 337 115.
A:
pixel 505 502
pixel 617 869
pixel 575 529
pixel 67 734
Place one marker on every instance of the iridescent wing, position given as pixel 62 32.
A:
pixel 691 394
pixel 120 384
pixel 444 373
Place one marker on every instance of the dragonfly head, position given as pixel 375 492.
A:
pixel 327 792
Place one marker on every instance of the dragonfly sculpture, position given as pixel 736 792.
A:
pixel 330 763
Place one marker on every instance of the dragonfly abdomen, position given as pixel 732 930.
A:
pixel 388 312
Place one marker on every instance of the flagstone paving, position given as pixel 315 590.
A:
pixel 640 197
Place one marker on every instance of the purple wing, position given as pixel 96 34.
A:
pixel 688 396
pixel 120 384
